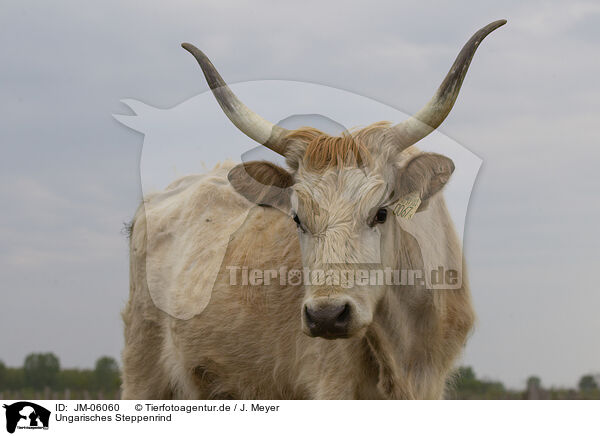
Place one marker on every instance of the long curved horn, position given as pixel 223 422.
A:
pixel 433 114
pixel 250 123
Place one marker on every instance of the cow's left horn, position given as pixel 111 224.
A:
pixel 250 123
pixel 431 116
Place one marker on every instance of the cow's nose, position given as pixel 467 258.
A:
pixel 328 321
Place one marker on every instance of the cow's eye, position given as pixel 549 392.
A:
pixel 297 221
pixel 381 216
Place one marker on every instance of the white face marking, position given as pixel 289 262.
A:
pixel 336 209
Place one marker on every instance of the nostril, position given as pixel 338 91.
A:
pixel 330 321
pixel 344 317
pixel 328 316
pixel 310 315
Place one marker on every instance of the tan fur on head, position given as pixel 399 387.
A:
pixel 324 151
pixel 320 151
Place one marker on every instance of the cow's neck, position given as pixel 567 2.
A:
pixel 405 331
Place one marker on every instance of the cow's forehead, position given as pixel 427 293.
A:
pixel 338 193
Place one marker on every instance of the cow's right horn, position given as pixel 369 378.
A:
pixel 250 123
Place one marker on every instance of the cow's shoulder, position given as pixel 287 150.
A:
pixel 183 233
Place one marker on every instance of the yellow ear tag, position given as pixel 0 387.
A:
pixel 407 206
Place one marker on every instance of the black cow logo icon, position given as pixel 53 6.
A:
pixel 26 415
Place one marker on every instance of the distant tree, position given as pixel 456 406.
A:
pixel 534 389
pixel 106 374
pixel 76 379
pixel 534 382
pixel 467 386
pixel 465 380
pixel 587 383
pixel 13 379
pixel 2 375
pixel 41 370
pixel 466 373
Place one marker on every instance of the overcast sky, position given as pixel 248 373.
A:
pixel 529 107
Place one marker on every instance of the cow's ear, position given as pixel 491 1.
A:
pixel 263 183
pixel 425 174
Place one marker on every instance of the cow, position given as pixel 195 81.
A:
pixel 195 330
